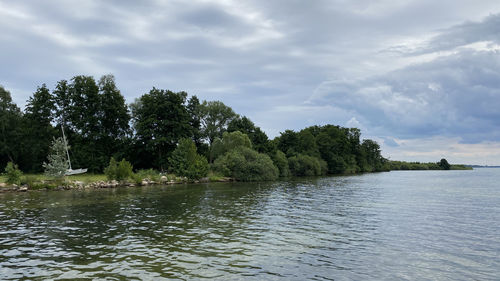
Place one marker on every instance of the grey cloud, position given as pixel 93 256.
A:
pixel 262 57
pixel 486 30
pixel 457 95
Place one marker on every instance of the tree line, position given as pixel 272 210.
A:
pixel 161 128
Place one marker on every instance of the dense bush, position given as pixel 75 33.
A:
pixel 229 142
pixel 246 164
pixel 118 170
pixel 304 165
pixel 280 161
pixel 13 173
pixel 186 162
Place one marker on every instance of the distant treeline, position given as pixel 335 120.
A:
pixel 442 165
pixel 99 125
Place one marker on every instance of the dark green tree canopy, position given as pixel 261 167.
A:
pixel 10 129
pixel 160 120
pixel 444 164
pixel 259 139
pixel 114 117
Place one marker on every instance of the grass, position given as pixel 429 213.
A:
pixel 86 178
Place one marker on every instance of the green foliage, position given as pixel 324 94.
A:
pixel 96 121
pixel 186 162
pixel 246 164
pixel 57 162
pixel 38 131
pixel 228 142
pixel 259 139
pixel 160 121
pixel 13 173
pixel 280 161
pixel 401 165
pixel 95 118
pixel 444 164
pixel 305 165
pixel 118 170
pixel 10 129
pixel 149 174
pixel 215 116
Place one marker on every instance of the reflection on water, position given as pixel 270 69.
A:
pixel 398 225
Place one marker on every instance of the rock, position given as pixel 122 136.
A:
pixel 2 184
pixel 131 185
pixel 144 182
pixel 163 179
pixel 205 179
pixel 23 188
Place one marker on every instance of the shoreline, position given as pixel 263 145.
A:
pixel 80 185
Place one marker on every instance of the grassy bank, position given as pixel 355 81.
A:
pixel 83 181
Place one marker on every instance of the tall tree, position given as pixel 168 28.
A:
pixel 38 130
pixel 160 120
pixel 10 132
pixel 215 118
pixel 84 112
pixel 113 115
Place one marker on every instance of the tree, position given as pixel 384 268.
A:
pixel 118 170
pixel 160 120
pixel 79 111
pixel 246 164
pixel 305 165
pixel 38 130
pixel 229 142
pixel 10 129
pixel 259 139
pixel 444 164
pixel 215 116
pixel 13 173
pixel 280 161
pixel 57 162
pixel 287 142
pixel 113 115
pixel 186 162
pixel 84 112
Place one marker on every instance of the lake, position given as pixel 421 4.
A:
pixel 402 225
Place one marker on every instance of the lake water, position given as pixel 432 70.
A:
pixel 419 225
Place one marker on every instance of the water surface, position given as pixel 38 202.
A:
pixel 419 225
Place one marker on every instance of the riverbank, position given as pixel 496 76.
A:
pixel 95 181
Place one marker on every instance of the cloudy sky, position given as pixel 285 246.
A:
pixel 422 77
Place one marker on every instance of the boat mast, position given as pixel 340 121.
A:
pixel 65 144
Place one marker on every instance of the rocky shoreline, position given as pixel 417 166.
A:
pixel 79 185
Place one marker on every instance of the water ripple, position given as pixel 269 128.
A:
pixel 408 226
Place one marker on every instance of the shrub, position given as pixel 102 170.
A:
pixel 246 164
pixel 186 162
pixel 304 165
pixel 280 161
pixel 118 171
pixel 58 164
pixel 149 174
pixel 29 180
pixel 229 142
pixel 13 173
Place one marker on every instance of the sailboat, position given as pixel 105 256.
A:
pixel 70 171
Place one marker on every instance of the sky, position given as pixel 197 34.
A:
pixel 421 77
